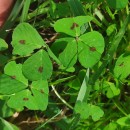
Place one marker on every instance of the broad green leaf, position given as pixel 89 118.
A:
pixel 71 26
pixel 122 66
pixel 38 66
pixel 40 92
pixel 111 126
pixel 25 39
pixel 23 99
pixel 9 85
pixel 3 45
pixel 83 109
pixel 96 112
pixel 124 121
pixel 69 56
pixel 90 48
pixel 15 70
pixel 4 125
pixel 117 4
pixel 112 90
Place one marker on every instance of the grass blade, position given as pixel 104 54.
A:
pixel 25 10
pixel 84 88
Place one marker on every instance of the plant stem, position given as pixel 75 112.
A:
pixel 57 94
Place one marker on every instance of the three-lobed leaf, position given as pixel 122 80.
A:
pixel 86 47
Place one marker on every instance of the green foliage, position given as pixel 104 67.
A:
pixel 122 67
pixel 65 65
pixel 124 121
pixel 3 45
pixel 111 126
pixel 4 125
pixel 82 47
pixel 117 4
pixel 85 110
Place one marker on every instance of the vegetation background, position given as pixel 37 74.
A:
pixel 65 65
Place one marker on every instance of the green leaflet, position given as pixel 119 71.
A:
pixel 69 56
pixel 90 48
pixel 111 126
pixel 25 39
pixel 71 26
pixel 40 91
pixel 38 66
pixel 22 99
pixel 124 121
pixel 15 71
pixel 3 45
pixel 122 66
pixel 10 85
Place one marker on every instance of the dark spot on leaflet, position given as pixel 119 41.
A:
pixel 40 69
pixel 121 64
pixel 42 91
pixel 92 49
pixel 13 77
pixel 74 25
pixel 25 99
pixel 22 41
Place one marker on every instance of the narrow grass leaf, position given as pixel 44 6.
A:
pixel 4 125
pixel 25 10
